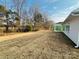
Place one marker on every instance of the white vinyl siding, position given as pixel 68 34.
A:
pixel 73 30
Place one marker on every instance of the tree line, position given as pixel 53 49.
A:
pixel 23 20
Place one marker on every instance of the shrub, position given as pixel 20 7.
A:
pixel 26 28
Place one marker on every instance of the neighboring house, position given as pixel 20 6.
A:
pixel 71 27
pixel 11 19
pixel 2 18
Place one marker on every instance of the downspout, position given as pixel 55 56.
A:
pixel 77 46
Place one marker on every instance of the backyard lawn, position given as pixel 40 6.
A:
pixel 43 44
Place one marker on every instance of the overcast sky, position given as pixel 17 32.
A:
pixel 57 10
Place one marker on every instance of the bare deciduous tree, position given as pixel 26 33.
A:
pixel 18 4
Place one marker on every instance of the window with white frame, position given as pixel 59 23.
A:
pixel 67 28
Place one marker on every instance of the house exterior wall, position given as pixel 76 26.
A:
pixel 73 33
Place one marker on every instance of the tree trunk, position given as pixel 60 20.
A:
pixel 7 28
